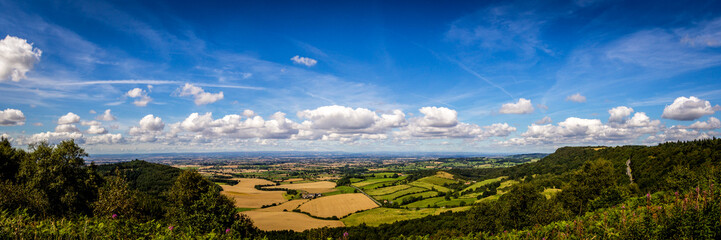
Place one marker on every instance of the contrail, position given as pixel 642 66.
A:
pixel 474 73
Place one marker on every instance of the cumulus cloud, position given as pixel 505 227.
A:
pixel 55 137
pixel 346 124
pixel 443 123
pixel 151 123
pixel 69 118
pixel 11 117
pixel 439 117
pixel 573 130
pixel 17 57
pixel 105 139
pixel 95 129
pixel 140 95
pixel 711 123
pixel 248 113
pixel 677 134
pixel 69 128
pixel 523 106
pixel 201 97
pixel 309 62
pixel 90 123
pixel 544 120
pixel 106 116
pixel 618 114
pixel 148 129
pixel 235 127
pixel 576 98
pixel 339 117
pixel 687 109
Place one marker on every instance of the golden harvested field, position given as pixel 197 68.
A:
pixel 299 222
pixel 312 187
pixel 338 205
pixel 289 206
pixel 246 196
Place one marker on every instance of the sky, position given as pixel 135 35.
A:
pixel 358 76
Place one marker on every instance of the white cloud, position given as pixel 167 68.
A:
pixel 711 123
pixel 339 117
pixel 11 117
pixel 141 97
pixel 686 109
pixel 523 106
pixel 248 113
pixel 66 128
pixel 106 116
pixel 90 123
pixel 618 114
pixel 92 111
pixel 151 123
pixel 544 120
pixel 95 129
pixel 576 98
pixel 573 130
pixel 439 117
pixel 69 118
pixel 148 129
pixel 677 134
pixel 55 137
pixel 346 124
pixel 443 123
pixel 234 127
pixel 17 57
pixel 309 62
pixel 105 139
pixel 201 97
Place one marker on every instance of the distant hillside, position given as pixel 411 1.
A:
pixel 150 178
pixel 653 167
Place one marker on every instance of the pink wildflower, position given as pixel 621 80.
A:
pixel 114 216
pixel 170 227
pixel 227 230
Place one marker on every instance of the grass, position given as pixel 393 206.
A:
pixel 400 193
pixel 387 190
pixel 378 216
pixel 505 186
pixel 429 186
pixel 436 180
pixel 550 192
pixel 483 183
pixel 340 190
pixel 240 209
pixel 425 202
pixel 426 194
pixel 377 180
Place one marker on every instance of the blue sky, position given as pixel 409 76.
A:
pixel 482 76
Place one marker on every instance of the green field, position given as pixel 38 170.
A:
pixel 429 186
pixel 371 181
pixel 340 190
pixel 435 180
pixel 378 216
pixel 386 190
pixel 483 183
pixel 427 194
pixel 400 193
